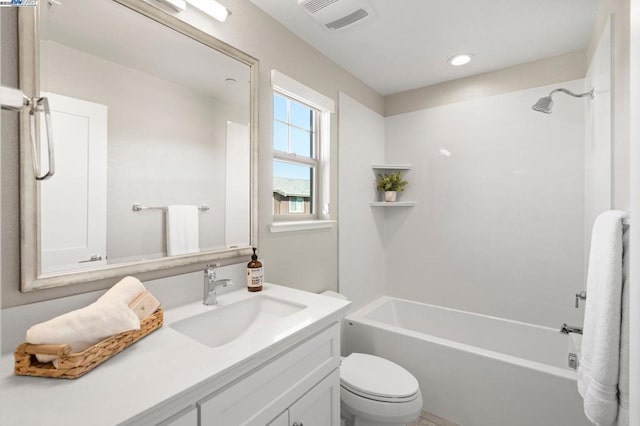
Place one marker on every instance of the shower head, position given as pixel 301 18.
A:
pixel 545 104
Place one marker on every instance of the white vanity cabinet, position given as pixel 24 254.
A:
pixel 293 381
pixel 186 417
pixel 318 407
pixel 282 373
pixel 299 385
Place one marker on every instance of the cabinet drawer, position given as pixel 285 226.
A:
pixel 263 394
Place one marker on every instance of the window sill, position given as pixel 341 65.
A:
pixel 301 225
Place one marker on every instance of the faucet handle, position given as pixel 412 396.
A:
pixel 225 283
pixel 581 295
pixel 210 270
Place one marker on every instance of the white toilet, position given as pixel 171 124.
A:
pixel 375 391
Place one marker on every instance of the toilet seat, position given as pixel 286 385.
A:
pixel 377 379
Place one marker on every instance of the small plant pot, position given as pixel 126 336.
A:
pixel 390 196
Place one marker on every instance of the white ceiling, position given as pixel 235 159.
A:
pixel 406 44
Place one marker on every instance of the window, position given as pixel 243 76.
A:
pixel 295 157
pixel 296 205
pixel 301 141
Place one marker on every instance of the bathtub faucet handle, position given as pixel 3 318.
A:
pixel 580 296
pixel 566 329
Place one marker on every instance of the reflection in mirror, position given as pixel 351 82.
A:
pixel 152 140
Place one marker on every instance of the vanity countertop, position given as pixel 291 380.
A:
pixel 161 366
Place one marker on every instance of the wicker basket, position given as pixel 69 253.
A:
pixel 74 365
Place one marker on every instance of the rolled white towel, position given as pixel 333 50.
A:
pixel 84 327
pixel 124 291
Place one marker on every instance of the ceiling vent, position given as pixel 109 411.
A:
pixel 337 14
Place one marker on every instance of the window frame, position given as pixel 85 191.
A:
pixel 312 162
pixel 323 107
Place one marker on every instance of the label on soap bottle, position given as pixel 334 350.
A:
pixel 255 277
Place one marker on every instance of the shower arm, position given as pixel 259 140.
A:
pixel 570 93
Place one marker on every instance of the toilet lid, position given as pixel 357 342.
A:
pixel 376 377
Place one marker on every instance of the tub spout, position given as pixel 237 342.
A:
pixel 566 329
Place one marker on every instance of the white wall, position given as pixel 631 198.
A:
pixel 598 137
pixel 361 254
pixel 634 166
pixel 498 226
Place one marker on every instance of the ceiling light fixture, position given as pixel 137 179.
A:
pixel 176 5
pixel 211 8
pixel 460 59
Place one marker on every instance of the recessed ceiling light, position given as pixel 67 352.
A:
pixel 460 59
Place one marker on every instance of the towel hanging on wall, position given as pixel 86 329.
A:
pixel 183 234
pixel 603 361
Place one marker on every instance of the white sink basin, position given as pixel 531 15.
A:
pixel 224 324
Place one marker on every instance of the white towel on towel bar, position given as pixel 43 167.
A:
pixel 599 369
pixel 183 232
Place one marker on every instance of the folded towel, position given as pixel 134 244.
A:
pixel 599 369
pixel 84 327
pixel 183 234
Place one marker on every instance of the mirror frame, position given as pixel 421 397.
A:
pixel 28 52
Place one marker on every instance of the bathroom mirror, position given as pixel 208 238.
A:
pixel 154 134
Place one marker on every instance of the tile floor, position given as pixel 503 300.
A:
pixel 428 419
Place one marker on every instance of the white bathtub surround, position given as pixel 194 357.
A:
pixel 600 358
pixel 361 251
pixel 598 136
pixel 498 226
pixel 474 369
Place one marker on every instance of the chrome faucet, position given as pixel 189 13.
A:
pixel 209 296
pixel 566 329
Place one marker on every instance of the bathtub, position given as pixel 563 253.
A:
pixel 473 369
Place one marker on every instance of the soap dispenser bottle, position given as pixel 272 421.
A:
pixel 255 273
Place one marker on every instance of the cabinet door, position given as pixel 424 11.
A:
pixel 320 406
pixel 259 397
pixel 186 417
pixel 281 420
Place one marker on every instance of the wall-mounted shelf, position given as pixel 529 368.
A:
pixel 393 204
pixel 391 166
pixel 396 167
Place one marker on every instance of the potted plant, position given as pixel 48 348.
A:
pixel 390 184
